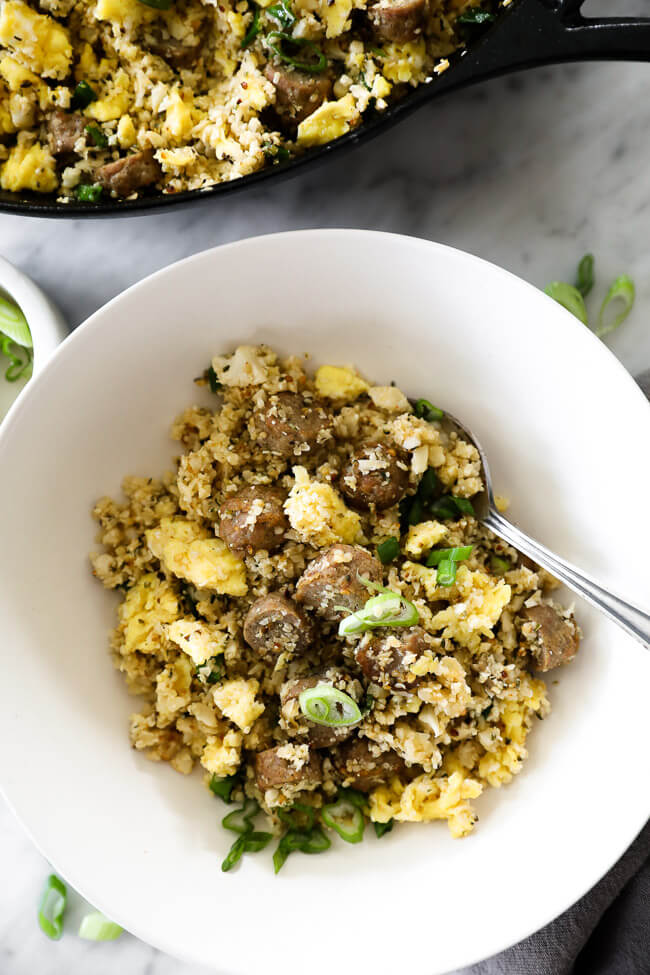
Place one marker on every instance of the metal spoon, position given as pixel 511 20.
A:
pixel 629 617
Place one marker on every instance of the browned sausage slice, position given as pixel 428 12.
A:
pixel 318 735
pixel 63 131
pixel 297 94
pixel 131 173
pixel 386 658
pixel 175 53
pixel 377 474
pixel 363 765
pixel 292 426
pixel 253 519
pixel 397 20
pixel 273 770
pixel 556 640
pixel 334 579
pixel 274 624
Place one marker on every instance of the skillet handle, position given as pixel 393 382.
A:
pixel 539 32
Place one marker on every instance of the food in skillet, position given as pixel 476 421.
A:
pixel 314 616
pixel 112 98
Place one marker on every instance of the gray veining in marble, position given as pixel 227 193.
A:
pixel 529 172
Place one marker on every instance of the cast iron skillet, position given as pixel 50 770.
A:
pixel 527 34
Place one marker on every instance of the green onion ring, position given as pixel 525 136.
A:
pixel 328 706
pixel 97 927
pixel 569 297
pixel 276 38
pixel 52 907
pixel 446 574
pixel 451 554
pixel 427 411
pixel 239 820
pixel 622 290
pixel 13 323
pixel 585 275
pixel 387 609
pixel 346 818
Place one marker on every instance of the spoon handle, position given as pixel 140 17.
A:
pixel 629 617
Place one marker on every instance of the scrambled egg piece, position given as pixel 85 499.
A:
pixel 199 641
pixel 129 13
pixel 189 551
pixel 147 607
pixel 404 62
pixel 318 513
pixel 339 383
pixel 330 121
pixel 126 134
pixel 178 117
pixel 29 168
pixel 335 14
pixel 222 755
pixel 426 798
pixel 500 763
pixel 236 699
pixel 423 537
pixel 35 40
pixel 173 689
pixel 482 600
pixel 389 398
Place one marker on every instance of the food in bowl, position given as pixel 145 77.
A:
pixel 315 617
pixel 112 98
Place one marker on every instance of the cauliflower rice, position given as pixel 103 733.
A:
pixel 443 717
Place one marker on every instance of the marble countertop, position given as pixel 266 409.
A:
pixel 529 172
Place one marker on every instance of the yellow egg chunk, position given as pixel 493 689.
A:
pixel 426 798
pixel 173 689
pixel 200 641
pixel 126 132
pixel 482 599
pixel 221 755
pixel 178 117
pixel 318 513
pixel 147 608
pixel 29 168
pixel 108 109
pixel 236 699
pixel 404 62
pixel 330 121
pixel 339 383
pixel 129 13
pixel 335 14
pixel 35 40
pixel 423 537
pixel 190 552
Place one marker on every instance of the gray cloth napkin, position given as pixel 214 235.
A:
pixel 607 932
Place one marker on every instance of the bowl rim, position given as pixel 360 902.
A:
pixel 95 323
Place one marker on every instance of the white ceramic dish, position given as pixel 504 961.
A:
pixel 45 321
pixel 567 431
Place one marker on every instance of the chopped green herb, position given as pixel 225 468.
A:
pixel 427 411
pixel 89 193
pixel 213 382
pixel 570 298
pixel 446 574
pixel 279 42
pixel 346 818
pixel 585 275
pixel 223 787
pixel 429 485
pixel 282 14
pixel 253 29
pixel 415 511
pixel 52 907
pixel 382 828
pixel 278 154
pixel 96 136
pixel 475 16
pixel 499 564
pixel 388 550
pixel 97 927
pixel 622 293
pixel 328 706
pixel 312 841
pixel 448 507
pixel 82 96
pixel 450 554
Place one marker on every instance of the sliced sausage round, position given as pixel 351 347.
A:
pixel 397 20
pixel 131 173
pixel 274 624
pixel 273 769
pixel 334 579
pixel 63 131
pixel 363 765
pixel 377 475
pixel 555 640
pixel 318 735
pixel 297 94
pixel 387 657
pixel 253 518
pixel 292 426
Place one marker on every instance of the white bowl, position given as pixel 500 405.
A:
pixel 45 322
pixel 567 432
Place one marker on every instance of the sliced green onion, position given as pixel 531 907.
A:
pixel 239 820
pixel 355 797
pixel 282 14
pixel 96 136
pixel 211 671
pixel 463 505
pixel 253 29
pixel 234 854
pixel 427 411
pixel 13 323
pixel 157 4
pixel 97 927
pixel 622 292
pixel 499 564
pixel 382 828
pixel 278 154
pixel 475 16
pixel 585 275
pixel 223 787
pixel 246 843
pixel 448 507
pixel 299 816
pixel 213 382
pixel 446 574
pixel 452 554
pixel 312 841
pixel 416 512
pixel 82 96
pixel 256 841
pixel 18 365
pixel 346 818
pixel 52 907
pixel 327 705
pixel 388 550
pixel 570 298
pixel 89 193
pixel 276 40
pixel 387 609
pixel 429 485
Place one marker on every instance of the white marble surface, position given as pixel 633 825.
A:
pixel 529 172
